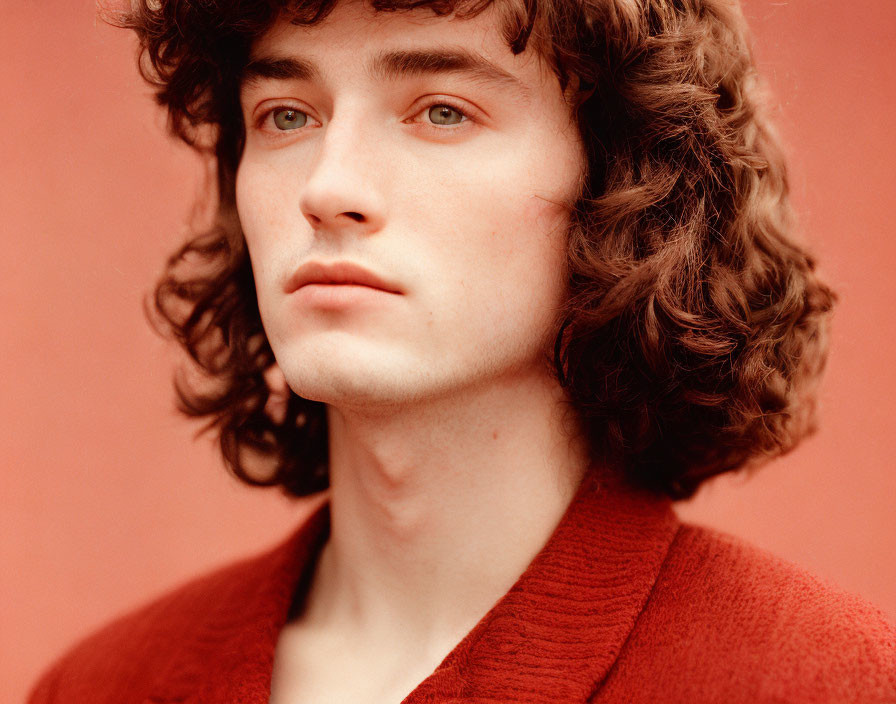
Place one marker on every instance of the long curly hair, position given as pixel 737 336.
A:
pixel 695 329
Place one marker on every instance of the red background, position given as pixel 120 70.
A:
pixel 107 499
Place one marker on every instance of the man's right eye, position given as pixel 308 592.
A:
pixel 288 118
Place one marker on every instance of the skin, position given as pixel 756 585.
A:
pixel 453 453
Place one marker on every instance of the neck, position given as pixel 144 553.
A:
pixel 438 508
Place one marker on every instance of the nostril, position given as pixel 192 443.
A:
pixel 337 220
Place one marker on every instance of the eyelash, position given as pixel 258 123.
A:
pixel 463 111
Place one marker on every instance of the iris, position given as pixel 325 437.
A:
pixel 289 119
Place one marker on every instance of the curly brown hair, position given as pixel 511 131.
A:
pixel 695 330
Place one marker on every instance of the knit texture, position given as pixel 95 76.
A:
pixel 623 604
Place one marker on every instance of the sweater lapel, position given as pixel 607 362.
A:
pixel 555 635
pixel 229 655
pixel 551 638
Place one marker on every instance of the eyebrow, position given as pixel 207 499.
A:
pixel 392 65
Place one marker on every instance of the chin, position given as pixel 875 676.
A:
pixel 352 380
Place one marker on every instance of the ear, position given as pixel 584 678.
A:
pixel 278 393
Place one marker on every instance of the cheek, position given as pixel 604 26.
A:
pixel 513 281
pixel 261 210
pixel 248 205
pixel 535 257
pixel 522 234
pixel 256 196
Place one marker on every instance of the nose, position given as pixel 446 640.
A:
pixel 343 191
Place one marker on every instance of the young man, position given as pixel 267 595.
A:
pixel 506 278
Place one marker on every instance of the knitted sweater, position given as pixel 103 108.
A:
pixel 624 603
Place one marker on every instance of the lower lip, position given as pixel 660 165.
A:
pixel 339 296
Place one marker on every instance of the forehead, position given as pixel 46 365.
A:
pixel 395 44
pixel 353 22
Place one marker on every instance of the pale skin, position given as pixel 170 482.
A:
pixel 453 453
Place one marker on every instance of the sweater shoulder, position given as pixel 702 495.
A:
pixel 725 613
pixel 121 660
pixel 743 575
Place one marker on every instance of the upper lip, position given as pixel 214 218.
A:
pixel 341 272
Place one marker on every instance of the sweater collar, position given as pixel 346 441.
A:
pixel 552 637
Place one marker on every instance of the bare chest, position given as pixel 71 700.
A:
pixel 316 668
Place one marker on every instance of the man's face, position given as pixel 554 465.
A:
pixel 447 184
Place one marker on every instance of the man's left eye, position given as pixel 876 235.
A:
pixel 445 115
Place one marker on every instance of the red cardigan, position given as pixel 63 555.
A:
pixel 623 604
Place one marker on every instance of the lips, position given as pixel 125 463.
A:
pixel 337 274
